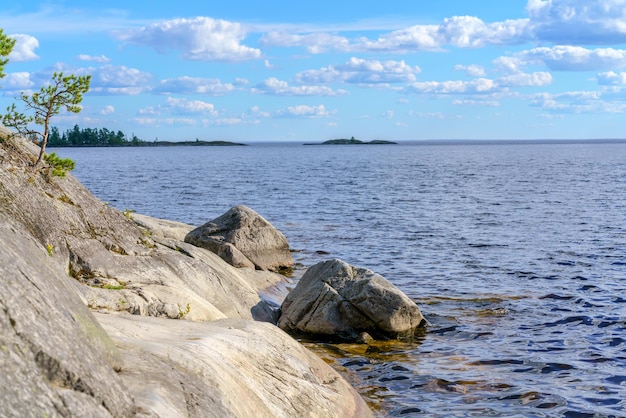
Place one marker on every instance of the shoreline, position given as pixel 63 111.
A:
pixel 150 325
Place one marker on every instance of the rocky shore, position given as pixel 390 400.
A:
pixel 110 313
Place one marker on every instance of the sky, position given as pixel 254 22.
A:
pixel 311 71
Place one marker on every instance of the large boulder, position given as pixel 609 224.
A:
pixel 335 300
pixel 244 238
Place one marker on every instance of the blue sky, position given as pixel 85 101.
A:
pixel 288 71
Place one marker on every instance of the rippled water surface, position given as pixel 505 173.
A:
pixel 516 254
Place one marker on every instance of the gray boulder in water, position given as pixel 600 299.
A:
pixel 338 301
pixel 256 242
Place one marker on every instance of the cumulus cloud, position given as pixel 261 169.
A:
pixel 107 110
pixel 457 31
pixel 472 32
pixel 117 80
pixel 24 48
pixel 414 38
pixel 581 22
pixel 612 78
pixel 199 39
pixel 472 102
pixel 578 102
pixel 361 71
pixel 471 70
pixel 315 43
pixel 190 106
pixel 17 82
pixel 276 87
pixel 536 79
pixel 304 111
pixel 257 112
pixel 175 106
pixel 565 58
pixel 476 86
pixel 427 115
pixel 193 85
pixel 101 58
pixel 158 122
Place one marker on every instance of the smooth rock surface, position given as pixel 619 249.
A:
pixel 251 234
pixel 338 301
pixel 55 358
pixel 226 368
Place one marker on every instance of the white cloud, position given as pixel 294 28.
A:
pixel 471 102
pixel 414 38
pixel 427 115
pixel 107 110
pixel 476 86
pixel 388 114
pixel 304 111
pixel 578 102
pixel 472 32
pixel 17 82
pixel 471 70
pixel 24 48
pixel 190 106
pixel 536 79
pixel 276 87
pixel 101 58
pixel 564 58
pixel 457 31
pixel 582 22
pixel 117 80
pixel 257 112
pixel 199 39
pixel 360 71
pixel 193 85
pixel 315 43
pixel 612 78
pixel 174 106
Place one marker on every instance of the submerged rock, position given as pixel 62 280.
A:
pixel 338 301
pixel 252 237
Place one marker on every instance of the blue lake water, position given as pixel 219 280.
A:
pixel 515 253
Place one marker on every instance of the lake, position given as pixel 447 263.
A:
pixel 515 253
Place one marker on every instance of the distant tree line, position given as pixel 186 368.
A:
pixel 103 137
pixel 91 137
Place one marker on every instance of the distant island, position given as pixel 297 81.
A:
pixel 353 141
pixel 104 137
pixel 193 143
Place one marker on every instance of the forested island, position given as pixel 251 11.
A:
pixel 353 141
pixel 103 137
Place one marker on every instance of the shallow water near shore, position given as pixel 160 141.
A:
pixel 515 253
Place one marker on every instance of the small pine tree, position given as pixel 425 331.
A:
pixel 63 92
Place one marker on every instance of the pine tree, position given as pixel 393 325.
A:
pixel 63 92
pixel 6 46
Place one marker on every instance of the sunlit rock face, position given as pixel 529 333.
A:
pixel 241 234
pixel 338 301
